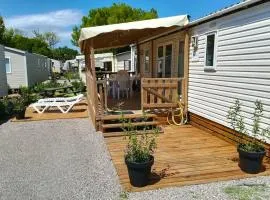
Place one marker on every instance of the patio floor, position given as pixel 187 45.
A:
pixel 78 111
pixel 185 155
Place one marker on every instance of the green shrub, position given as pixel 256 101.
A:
pixel 78 85
pixel 236 121
pixel 71 75
pixel 140 148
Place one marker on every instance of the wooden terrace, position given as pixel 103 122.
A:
pixel 185 155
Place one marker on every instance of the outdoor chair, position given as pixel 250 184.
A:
pixel 123 80
pixel 63 104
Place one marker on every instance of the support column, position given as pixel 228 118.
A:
pixel 186 70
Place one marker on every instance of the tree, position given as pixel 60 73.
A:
pixel 2 29
pixel 50 38
pixel 64 53
pixel 117 13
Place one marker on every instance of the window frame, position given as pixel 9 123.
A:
pixel 9 58
pixel 206 67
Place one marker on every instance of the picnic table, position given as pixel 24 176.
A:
pixel 49 92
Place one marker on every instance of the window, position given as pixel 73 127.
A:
pixel 168 61
pixel 8 65
pixel 146 61
pixel 127 65
pixel 107 66
pixel 164 61
pixel 210 51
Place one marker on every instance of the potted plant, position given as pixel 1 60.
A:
pixel 251 152
pixel 19 108
pixel 139 152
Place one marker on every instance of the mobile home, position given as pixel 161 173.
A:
pixel 229 58
pixel 25 69
pixel 57 65
pixel 212 60
pixel 3 75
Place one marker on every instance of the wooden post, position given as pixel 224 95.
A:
pixel 186 70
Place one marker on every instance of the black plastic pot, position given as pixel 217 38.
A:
pixel 21 114
pixel 250 162
pixel 139 172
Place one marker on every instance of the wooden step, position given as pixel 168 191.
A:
pixel 121 134
pixel 119 125
pixel 127 116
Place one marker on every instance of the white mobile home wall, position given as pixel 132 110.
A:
pixel 38 69
pixel 242 66
pixel 26 68
pixel 3 75
pixel 120 60
pixel 18 75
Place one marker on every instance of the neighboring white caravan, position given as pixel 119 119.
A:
pixel 3 75
pixel 57 65
pixel 25 69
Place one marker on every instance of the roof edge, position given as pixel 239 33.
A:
pixel 227 11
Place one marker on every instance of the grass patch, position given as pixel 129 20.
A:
pixel 123 196
pixel 248 192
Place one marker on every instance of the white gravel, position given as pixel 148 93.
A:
pixel 211 191
pixel 67 159
pixel 60 159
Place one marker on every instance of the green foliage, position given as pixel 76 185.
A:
pixel 6 107
pixel 71 75
pixel 39 87
pixel 237 123
pixel 139 147
pixel 117 13
pixel 49 37
pixel 27 95
pixel 2 29
pixel 248 192
pixel 123 196
pixel 78 85
pixel 64 53
pixel 20 104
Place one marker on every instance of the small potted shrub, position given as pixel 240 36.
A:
pixel 251 152
pixel 139 152
pixel 19 108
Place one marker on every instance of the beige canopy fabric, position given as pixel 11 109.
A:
pixel 115 35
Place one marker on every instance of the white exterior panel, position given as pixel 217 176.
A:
pixel 242 66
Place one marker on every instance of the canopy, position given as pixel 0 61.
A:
pixel 116 35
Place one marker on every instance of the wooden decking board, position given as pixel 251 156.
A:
pixel 185 156
pixel 106 126
pixel 127 116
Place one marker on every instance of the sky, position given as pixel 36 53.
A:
pixel 61 15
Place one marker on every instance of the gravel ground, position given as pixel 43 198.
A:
pixel 60 159
pixel 66 159
pixel 212 191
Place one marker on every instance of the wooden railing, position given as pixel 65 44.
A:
pixel 91 90
pixel 161 92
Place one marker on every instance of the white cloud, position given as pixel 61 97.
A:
pixel 60 21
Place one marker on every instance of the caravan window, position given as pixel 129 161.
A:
pixel 8 65
pixel 210 51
